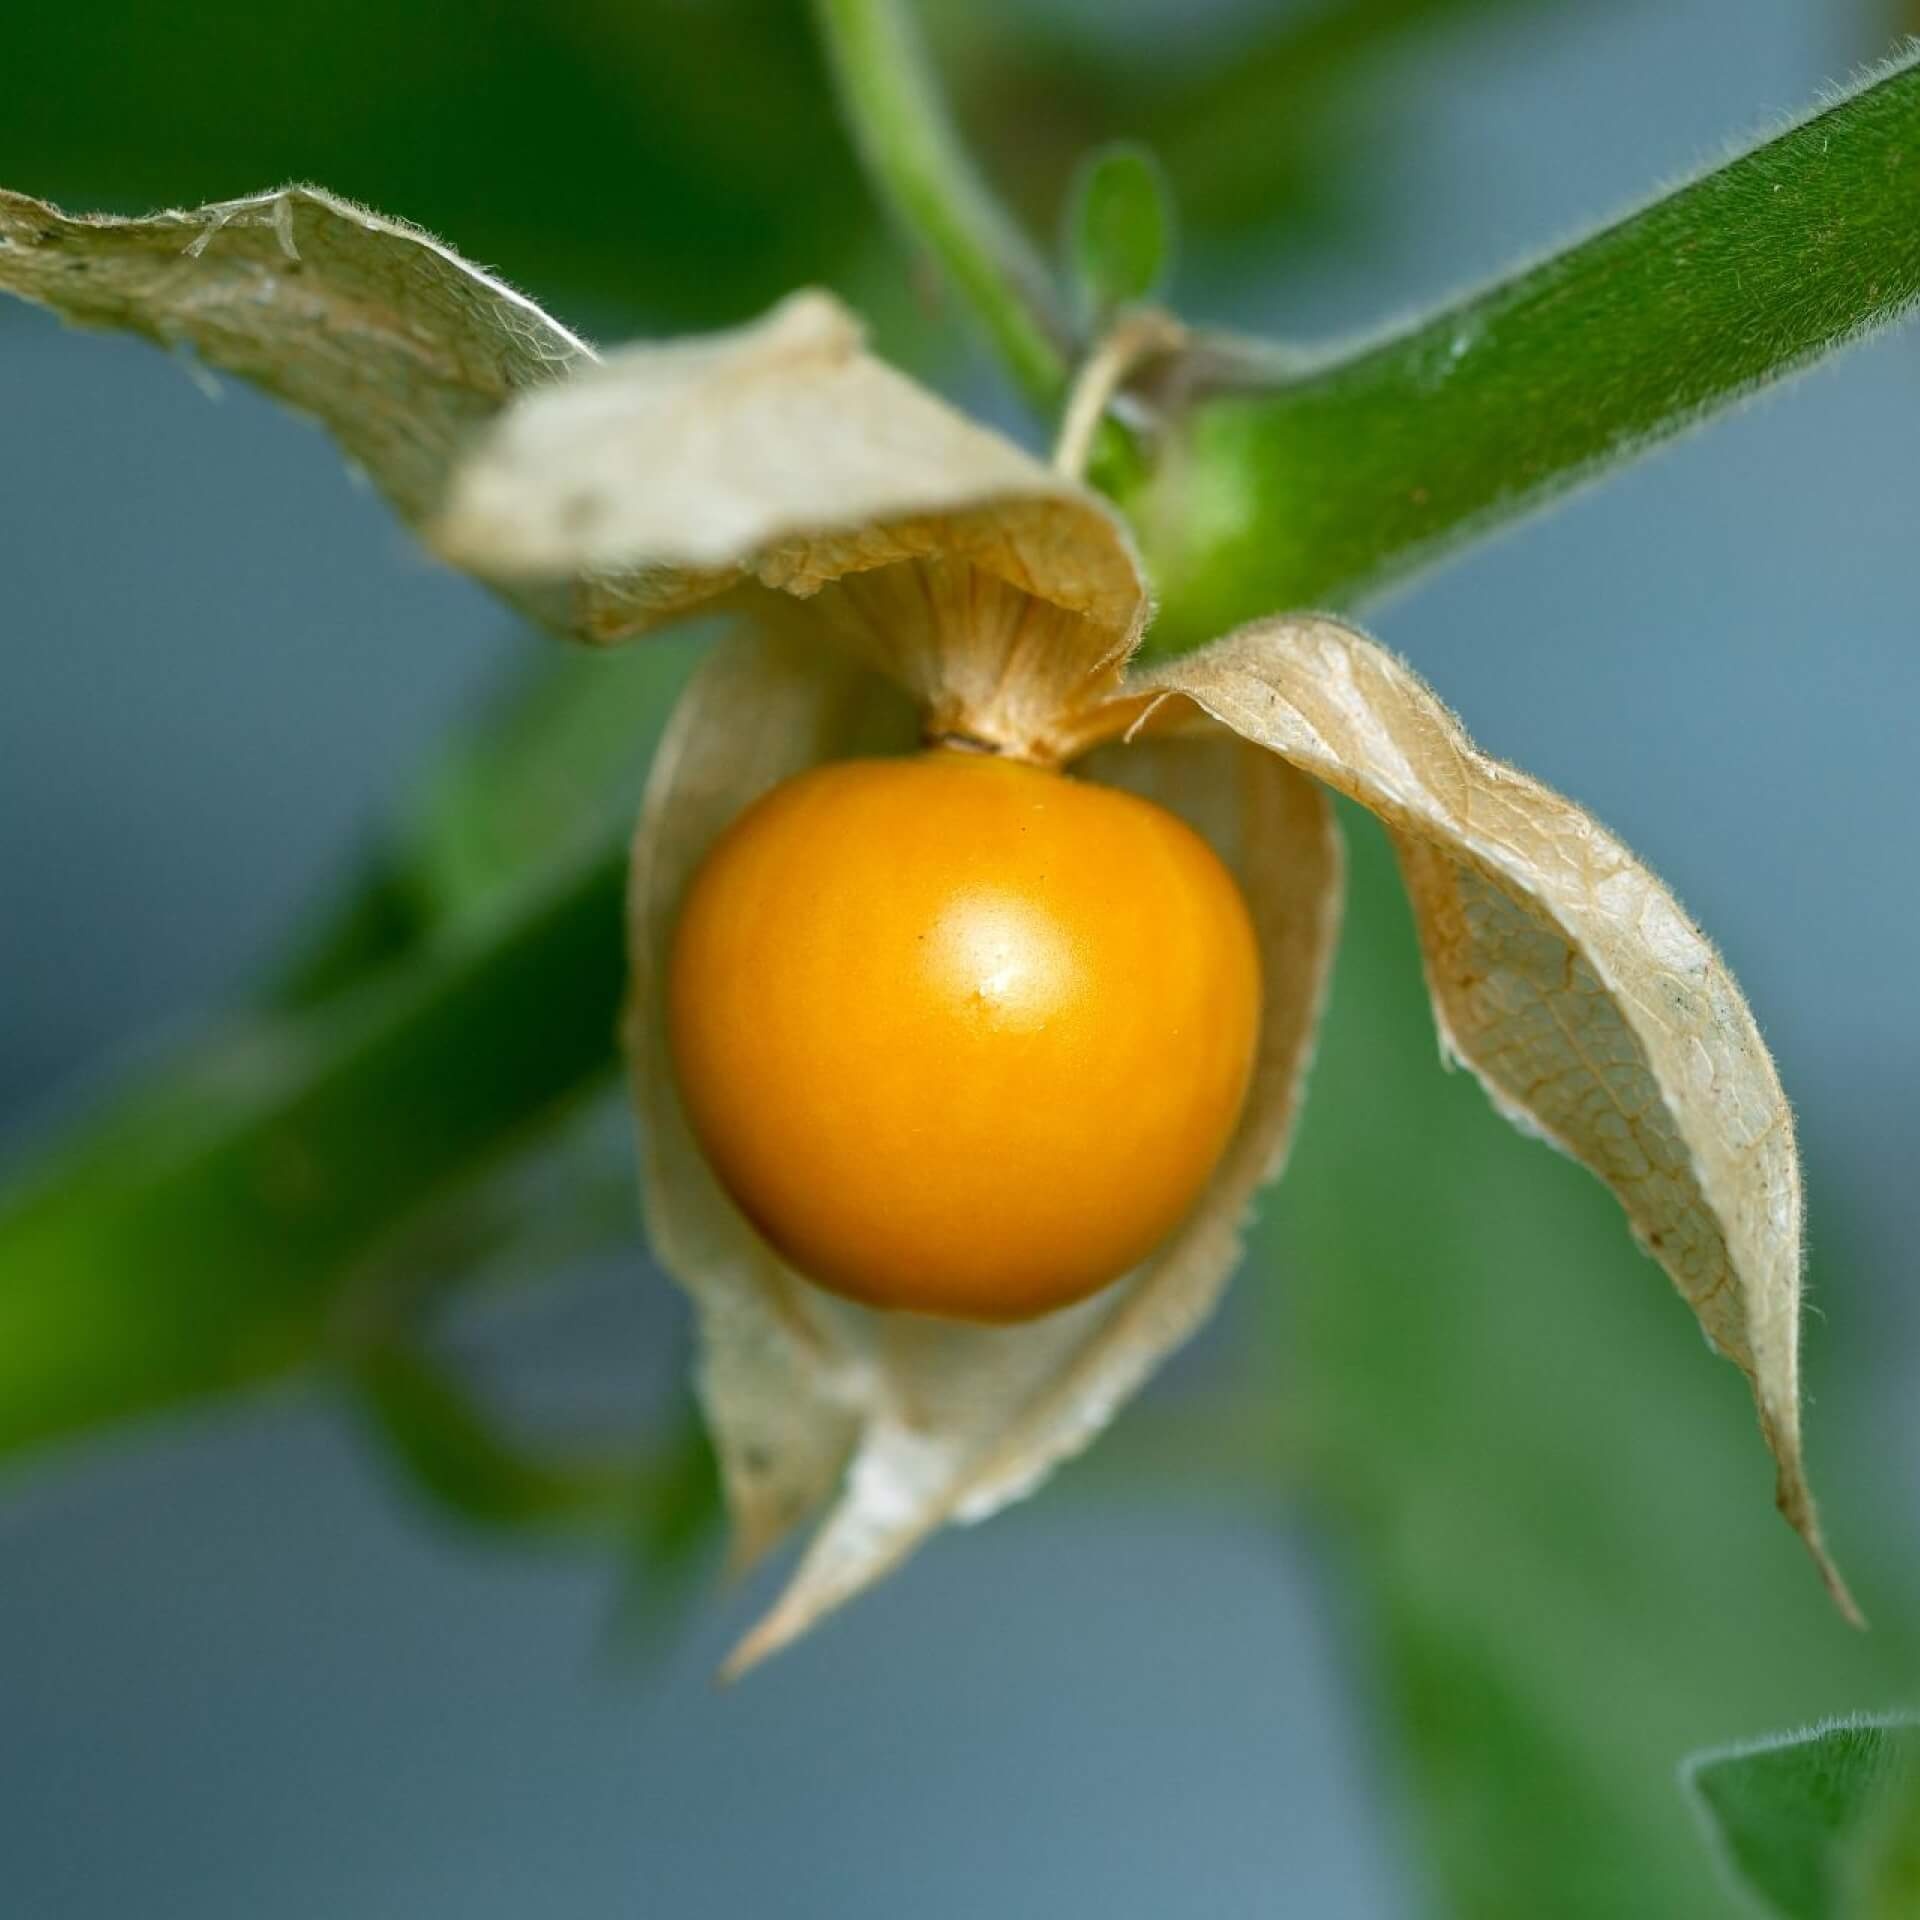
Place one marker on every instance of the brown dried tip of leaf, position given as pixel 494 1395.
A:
pixel 1569 979
pixel 920 1422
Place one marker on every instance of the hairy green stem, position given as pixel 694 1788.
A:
pixel 1322 481
pixel 914 157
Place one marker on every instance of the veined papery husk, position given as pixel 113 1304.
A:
pixel 1571 982
pixel 896 568
pixel 992 592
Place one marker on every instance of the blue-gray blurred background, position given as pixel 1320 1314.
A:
pixel 244 1668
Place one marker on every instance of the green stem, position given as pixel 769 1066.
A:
pixel 913 155
pixel 458 1453
pixel 209 1233
pixel 1322 480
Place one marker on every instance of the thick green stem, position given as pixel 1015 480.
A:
pixel 914 157
pixel 1320 482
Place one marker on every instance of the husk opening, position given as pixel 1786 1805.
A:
pixel 933 1421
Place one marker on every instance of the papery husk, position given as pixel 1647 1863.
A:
pixel 781 1384
pixel 395 344
pixel 933 1421
pixel 782 453
pixel 989 665
pixel 1571 982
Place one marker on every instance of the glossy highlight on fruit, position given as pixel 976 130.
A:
pixel 961 1035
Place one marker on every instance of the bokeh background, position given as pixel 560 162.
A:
pixel 1408 1589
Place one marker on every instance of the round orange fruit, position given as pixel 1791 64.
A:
pixel 961 1035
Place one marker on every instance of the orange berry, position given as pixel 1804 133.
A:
pixel 960 1035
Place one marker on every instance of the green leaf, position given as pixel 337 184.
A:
pixel 1885 1873
pixel 713 198
pixel 222 1221
pixel 1790 1815
pixel 211 1230
pixel 656 1502
pixel 1266 122
pixel 457 1453
pixel 1317 480
pixel 671 1525
pixel 219 1223
pixel 225 1220
pixel 1119 230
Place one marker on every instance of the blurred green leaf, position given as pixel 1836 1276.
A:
pixel 1791 1815
pixel 1250 135
pixel 1318 481
pixel 1119 230
pixel 1555 1556
pixel 671 1527
pixel 1267 119
pixel 591 149
pixel 227 1219
pixel 211 1229
pixel 455 1452
pixel 657 1503
pixel 1885 1872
